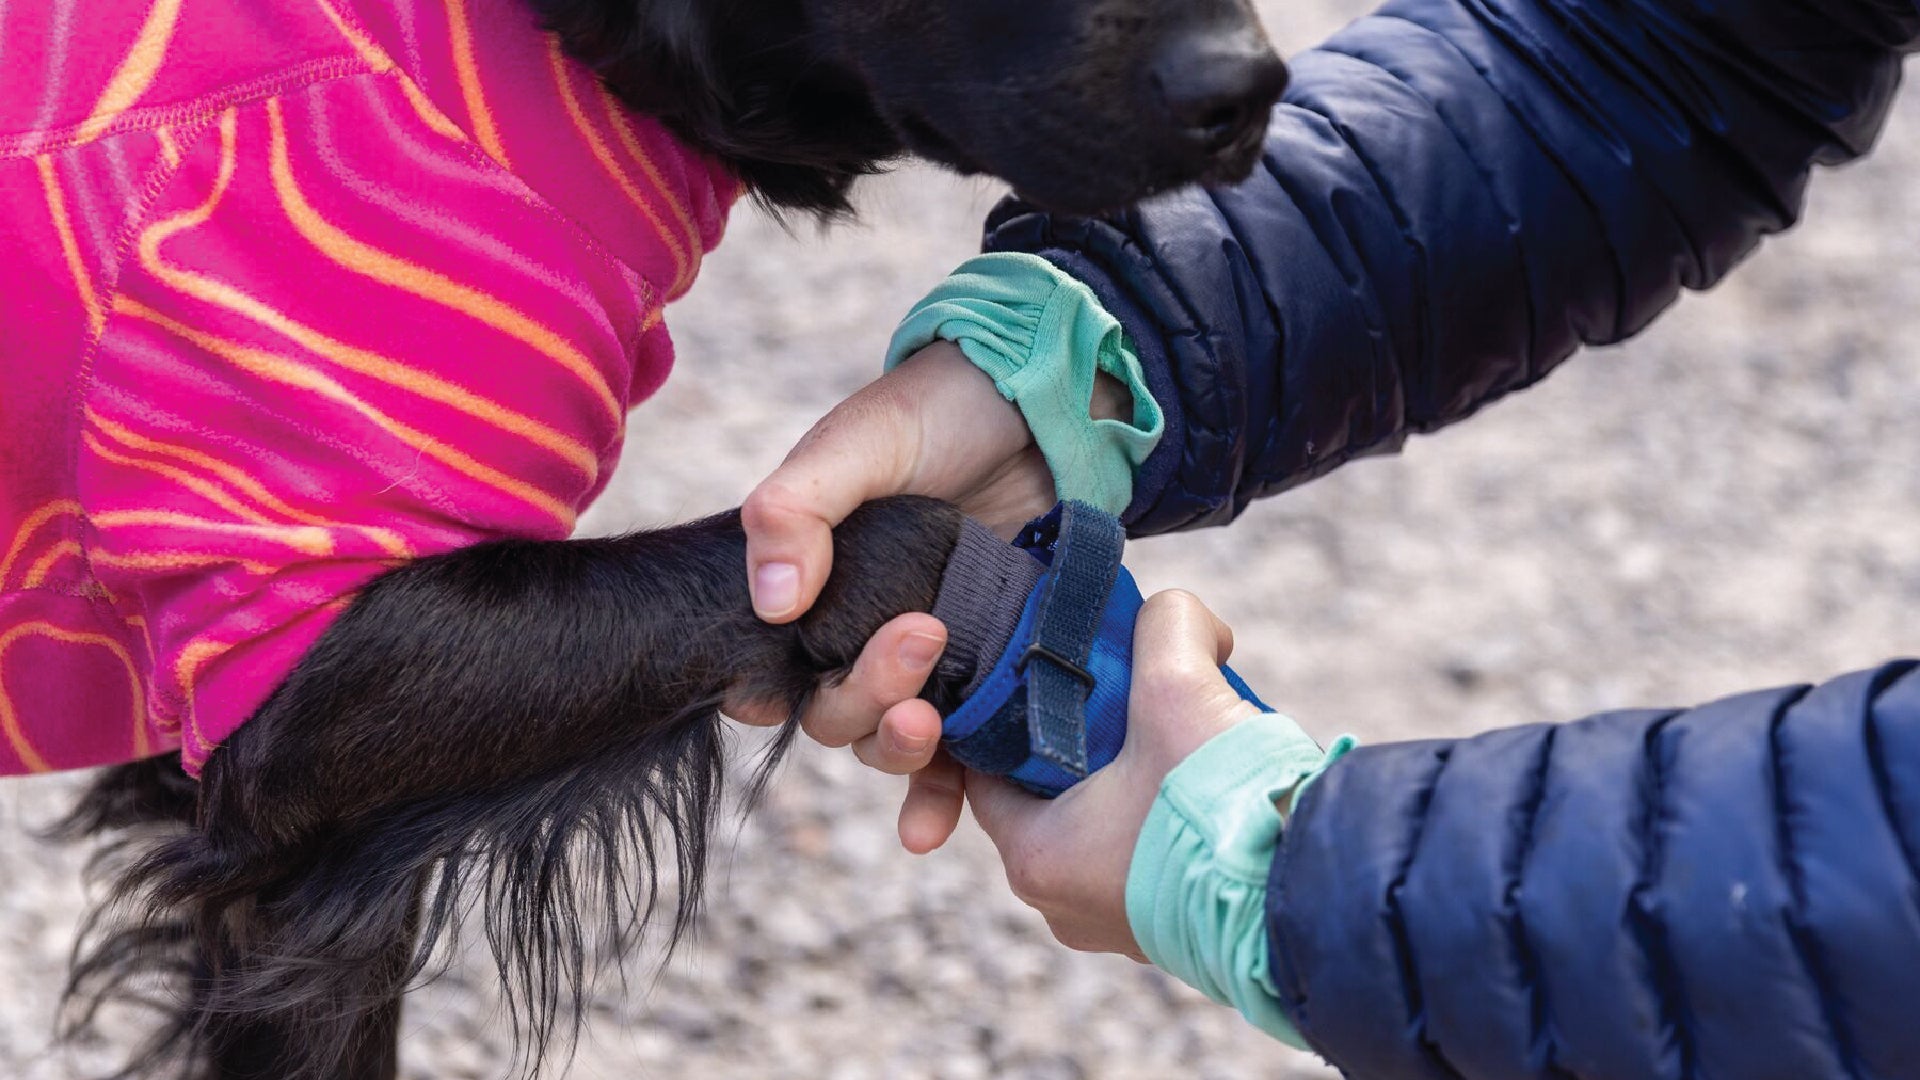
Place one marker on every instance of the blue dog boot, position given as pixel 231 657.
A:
pixel 1040 633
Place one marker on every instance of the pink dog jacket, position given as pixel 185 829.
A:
pixel 295 291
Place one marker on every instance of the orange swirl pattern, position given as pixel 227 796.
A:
pixel 297 292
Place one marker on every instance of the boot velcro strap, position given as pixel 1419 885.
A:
pixel 1086 547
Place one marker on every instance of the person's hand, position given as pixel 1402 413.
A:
pixel 934 425
pixel 1068 858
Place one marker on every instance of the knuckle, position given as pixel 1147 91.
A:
pixel 1176 603
pixel 770 505
pixel 825 732
pixel 854 709
pixel 871 688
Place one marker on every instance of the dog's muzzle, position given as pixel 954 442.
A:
pixel 1040 634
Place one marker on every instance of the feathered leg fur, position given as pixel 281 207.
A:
pixel 521 729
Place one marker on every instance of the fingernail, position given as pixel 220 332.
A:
pixel 920 650
pixel 910 744
pixel 776 589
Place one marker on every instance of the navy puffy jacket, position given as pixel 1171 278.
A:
pixel 1456 194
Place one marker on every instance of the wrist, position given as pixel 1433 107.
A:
pixel 942 374
pixel 1196 889
pixel 970 444
pixel 1049 347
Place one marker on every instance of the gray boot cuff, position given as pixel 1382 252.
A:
pixel 982 593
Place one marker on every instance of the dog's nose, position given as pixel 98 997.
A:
pixel 1216 87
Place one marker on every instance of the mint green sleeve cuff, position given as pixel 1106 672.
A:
pixel 1042 336
pixel 1197 888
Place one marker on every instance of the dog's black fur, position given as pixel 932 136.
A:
pixel 524 727
pixel 530 728
pixel 1057 97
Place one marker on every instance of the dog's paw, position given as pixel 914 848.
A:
pixel 888 557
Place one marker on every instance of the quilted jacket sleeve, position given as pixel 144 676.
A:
pixel 1728 891
pixel 1455 195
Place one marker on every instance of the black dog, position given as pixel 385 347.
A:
pixel 527 728
pixel 1082 105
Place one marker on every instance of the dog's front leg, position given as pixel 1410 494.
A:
pixel 518 731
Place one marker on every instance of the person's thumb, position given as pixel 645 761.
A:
pixel 861 450
pixel 1179 699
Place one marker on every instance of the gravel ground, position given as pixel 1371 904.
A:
pixel 1727 502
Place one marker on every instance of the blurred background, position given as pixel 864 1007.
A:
pixel 1730 501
